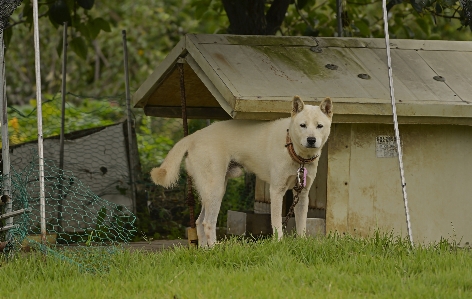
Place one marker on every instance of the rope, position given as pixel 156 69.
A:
pixel 395 121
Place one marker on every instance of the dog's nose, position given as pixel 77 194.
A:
pixel 311 141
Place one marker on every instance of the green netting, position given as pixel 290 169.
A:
pixel 81 227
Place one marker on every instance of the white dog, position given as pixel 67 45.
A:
pixel 274 151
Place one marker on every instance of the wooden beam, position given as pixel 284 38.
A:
pixel 192 112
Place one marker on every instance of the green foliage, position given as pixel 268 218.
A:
pixel 86 4
pixel 77 14
pixel 211 11
pixel 79 46
pixel 153 145
pixel 95 56
pixel 84 114
pixel 418 19
pixel 236 198
pixel 155 27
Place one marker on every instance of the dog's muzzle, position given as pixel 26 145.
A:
pixel 311 142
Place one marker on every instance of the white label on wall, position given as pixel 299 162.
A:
pixel 386 146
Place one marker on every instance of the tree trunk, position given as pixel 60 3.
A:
pixel 248 17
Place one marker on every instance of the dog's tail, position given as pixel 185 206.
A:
pixel 168 173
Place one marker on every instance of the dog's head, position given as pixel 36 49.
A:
pixel 310 125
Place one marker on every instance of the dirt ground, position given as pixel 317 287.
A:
pixel 156 245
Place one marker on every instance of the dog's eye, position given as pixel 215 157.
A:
pixel 303 125
pixel 319 126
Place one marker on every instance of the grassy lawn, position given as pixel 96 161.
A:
pixel 331 267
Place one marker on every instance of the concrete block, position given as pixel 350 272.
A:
pixel 314 226
pixel 245 224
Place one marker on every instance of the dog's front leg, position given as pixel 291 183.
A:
pixel 276 199
pixel 301 211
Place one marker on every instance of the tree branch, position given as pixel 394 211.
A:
pixel 303 17
pixel 433 12
pixel 23 21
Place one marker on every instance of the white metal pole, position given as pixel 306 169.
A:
pixel 37 64
pixel 395 121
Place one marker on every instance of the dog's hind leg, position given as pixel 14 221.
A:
pixel 202 239
pixel 210 180
pixel 202 236
pixel 212 196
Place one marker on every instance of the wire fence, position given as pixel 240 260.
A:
pixel 97 184
pixel 82 227
pixel 96 154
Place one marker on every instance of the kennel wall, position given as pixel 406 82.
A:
pixel 358 186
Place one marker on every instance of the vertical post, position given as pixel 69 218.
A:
pixel 129 122
pixel 37 65
pixel 180 64
pixel 6 196
pixel 63 119
pixel 339 18
pixel 191 232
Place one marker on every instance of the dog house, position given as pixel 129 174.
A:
pixel 357 189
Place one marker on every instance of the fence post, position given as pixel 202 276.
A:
pixel 129 122
pixel 6 196
pixel 63 119
pixel 191 231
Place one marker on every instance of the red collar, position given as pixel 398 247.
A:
pixel 294 156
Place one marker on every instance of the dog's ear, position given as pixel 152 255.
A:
pixel 326 107
pixel 297 105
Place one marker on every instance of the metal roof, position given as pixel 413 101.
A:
pixel 256 77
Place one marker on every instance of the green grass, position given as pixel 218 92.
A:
pixel 331 267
